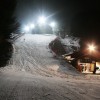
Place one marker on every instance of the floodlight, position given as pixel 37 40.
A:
pixel 32 26
pixel 91 47
pixel 52 24
pixel 26 28
pixel 42 20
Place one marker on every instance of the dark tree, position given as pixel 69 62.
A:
pixel 7 26
pixel 7 22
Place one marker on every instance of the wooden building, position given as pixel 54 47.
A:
pixel 84 63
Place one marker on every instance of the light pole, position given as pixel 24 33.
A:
pixel 53 25
pixel 42 20
pixel 92 49
pixel 28 28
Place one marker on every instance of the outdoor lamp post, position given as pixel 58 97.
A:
pixel 92 49
pixel 32 26
pixel 26 29
pixel 42 20
pixel 53 25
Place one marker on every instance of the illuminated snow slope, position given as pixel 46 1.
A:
pixel 35 75
pixel 31 54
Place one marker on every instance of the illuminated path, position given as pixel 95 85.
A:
pixel 33 74
pixel 31 54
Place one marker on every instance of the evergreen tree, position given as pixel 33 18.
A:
pixel 7 26
pixel 7 21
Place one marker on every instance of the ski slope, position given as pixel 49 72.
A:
pixel 31 54
pixel 34 74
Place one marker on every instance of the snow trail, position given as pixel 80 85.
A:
pixel 31 54
pixel 33 74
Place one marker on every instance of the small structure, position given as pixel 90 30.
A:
pixel 84 63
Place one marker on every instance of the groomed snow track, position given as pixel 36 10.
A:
pixel 34 74
pixel 31 54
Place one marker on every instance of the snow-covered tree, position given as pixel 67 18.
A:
pixel 66 45
pixel 70 43
pixel 8 23
pixel 7 26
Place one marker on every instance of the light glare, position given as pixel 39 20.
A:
pixel 32 26
pixel 91 47
pixel 42 20
pixel 26 28
pixel 52 24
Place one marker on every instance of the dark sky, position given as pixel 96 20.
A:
pixel 80 16
pixel 61 9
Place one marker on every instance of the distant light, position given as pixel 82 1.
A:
pixel 91 47
pixel 52 24
pixel 42 20
pixel 26 28
pixel 32 26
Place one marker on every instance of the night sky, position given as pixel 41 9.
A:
pixel 81 17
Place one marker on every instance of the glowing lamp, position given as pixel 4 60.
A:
pixel 32 26
pixel 26 28
pixel 91 47
pixel 52 24
pixel 42 20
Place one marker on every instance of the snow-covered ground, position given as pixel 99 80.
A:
pixel 31 54
pixel 34 74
